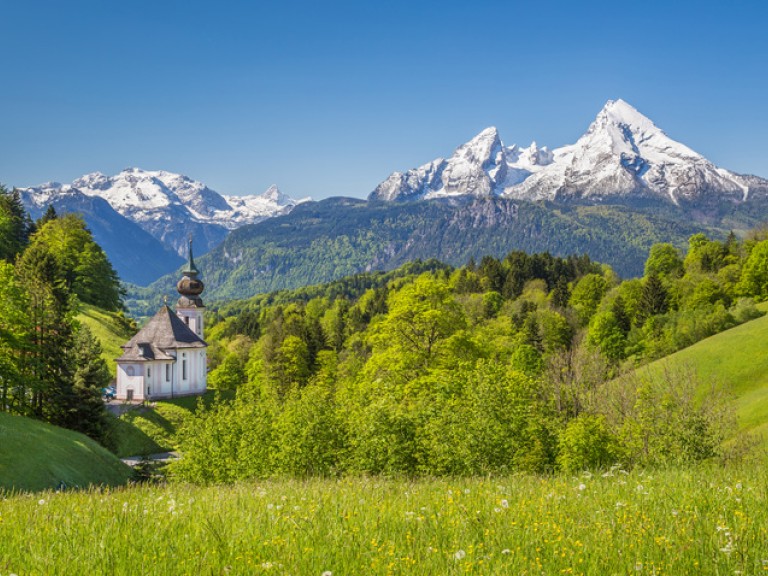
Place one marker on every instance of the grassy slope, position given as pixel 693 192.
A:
pixel 736 359
pixel 35 456
pixel 147 430
pixel 108 330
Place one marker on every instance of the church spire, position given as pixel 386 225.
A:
pixel 191 269
pixel 190 286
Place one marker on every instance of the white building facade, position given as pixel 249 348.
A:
pixel 167 357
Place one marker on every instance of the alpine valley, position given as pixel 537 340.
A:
pixel 621 187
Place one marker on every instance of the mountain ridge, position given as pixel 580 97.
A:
pixel 623 157
pixel 167 205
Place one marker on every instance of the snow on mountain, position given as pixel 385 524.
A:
pixel 481 167
pixel 170 206
pixel 623 156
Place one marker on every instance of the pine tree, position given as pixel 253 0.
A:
pixel 15 225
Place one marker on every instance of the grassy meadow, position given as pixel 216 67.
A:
pixel 704 520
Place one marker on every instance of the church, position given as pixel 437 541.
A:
pixel 167 357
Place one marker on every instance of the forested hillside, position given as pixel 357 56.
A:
pixel 501 365
pixel 50 364
pixel 323 241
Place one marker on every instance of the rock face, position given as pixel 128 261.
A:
pixel 169 206
pixel 622 158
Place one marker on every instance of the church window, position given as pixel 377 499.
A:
pixel 129 371
pixel 149 372
pixel 183 369
pixel 167 372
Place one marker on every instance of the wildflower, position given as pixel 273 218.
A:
pixel 504 504
pixel 266 565
pixel 459 554
pixel 497 509
pixel 506 551
pixel 582 487
pixel 327 573
pixel 41 502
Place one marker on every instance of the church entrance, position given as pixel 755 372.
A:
pixel 129 394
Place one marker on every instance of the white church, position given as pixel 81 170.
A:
pixel 167 357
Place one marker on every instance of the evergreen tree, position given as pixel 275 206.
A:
pixel 15 225
pixel 653 299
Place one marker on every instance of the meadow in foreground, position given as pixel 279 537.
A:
pixel 703 520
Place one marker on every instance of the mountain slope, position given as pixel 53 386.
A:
pixel 622 158
pixel 322 241
pixel 36 456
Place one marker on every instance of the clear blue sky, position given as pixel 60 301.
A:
pixel 327 98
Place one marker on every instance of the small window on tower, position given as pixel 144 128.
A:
pixel 149 372
pixel 167 372
pixel 186 320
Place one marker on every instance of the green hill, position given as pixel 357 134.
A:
pixel 35 456
pixel 111 329
pixel 736 359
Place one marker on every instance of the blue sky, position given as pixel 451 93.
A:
pixel 327 98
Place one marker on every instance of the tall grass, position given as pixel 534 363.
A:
pixel 706 520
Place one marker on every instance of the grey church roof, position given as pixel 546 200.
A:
pixel 164 332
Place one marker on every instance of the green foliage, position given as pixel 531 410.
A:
pixel 664 261
pixel 587 443
pixel 82 263
pixel 15 225
pixel 586 296
pixel 442 373
pixel 668 424
pixel 754 275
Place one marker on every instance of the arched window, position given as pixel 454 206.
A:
pixel 129 371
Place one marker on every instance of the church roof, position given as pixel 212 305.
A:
pixel 164 332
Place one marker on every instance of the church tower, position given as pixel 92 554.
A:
pixel 190 306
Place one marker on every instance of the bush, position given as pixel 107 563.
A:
pixel 587 443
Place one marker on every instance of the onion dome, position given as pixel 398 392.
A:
pixel 190 286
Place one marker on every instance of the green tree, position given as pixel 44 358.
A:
pixel 15 225
pixel 653 299
pixel 421 315
pixel 586 296
pixel 664 261
pixel 754 274
pixel 83 265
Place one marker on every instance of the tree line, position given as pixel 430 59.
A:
pixel 50 364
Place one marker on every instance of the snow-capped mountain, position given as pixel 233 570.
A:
pixel 622 157
pixel 168 206
pixel 481 167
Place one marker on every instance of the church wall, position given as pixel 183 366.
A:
pixel 130 377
